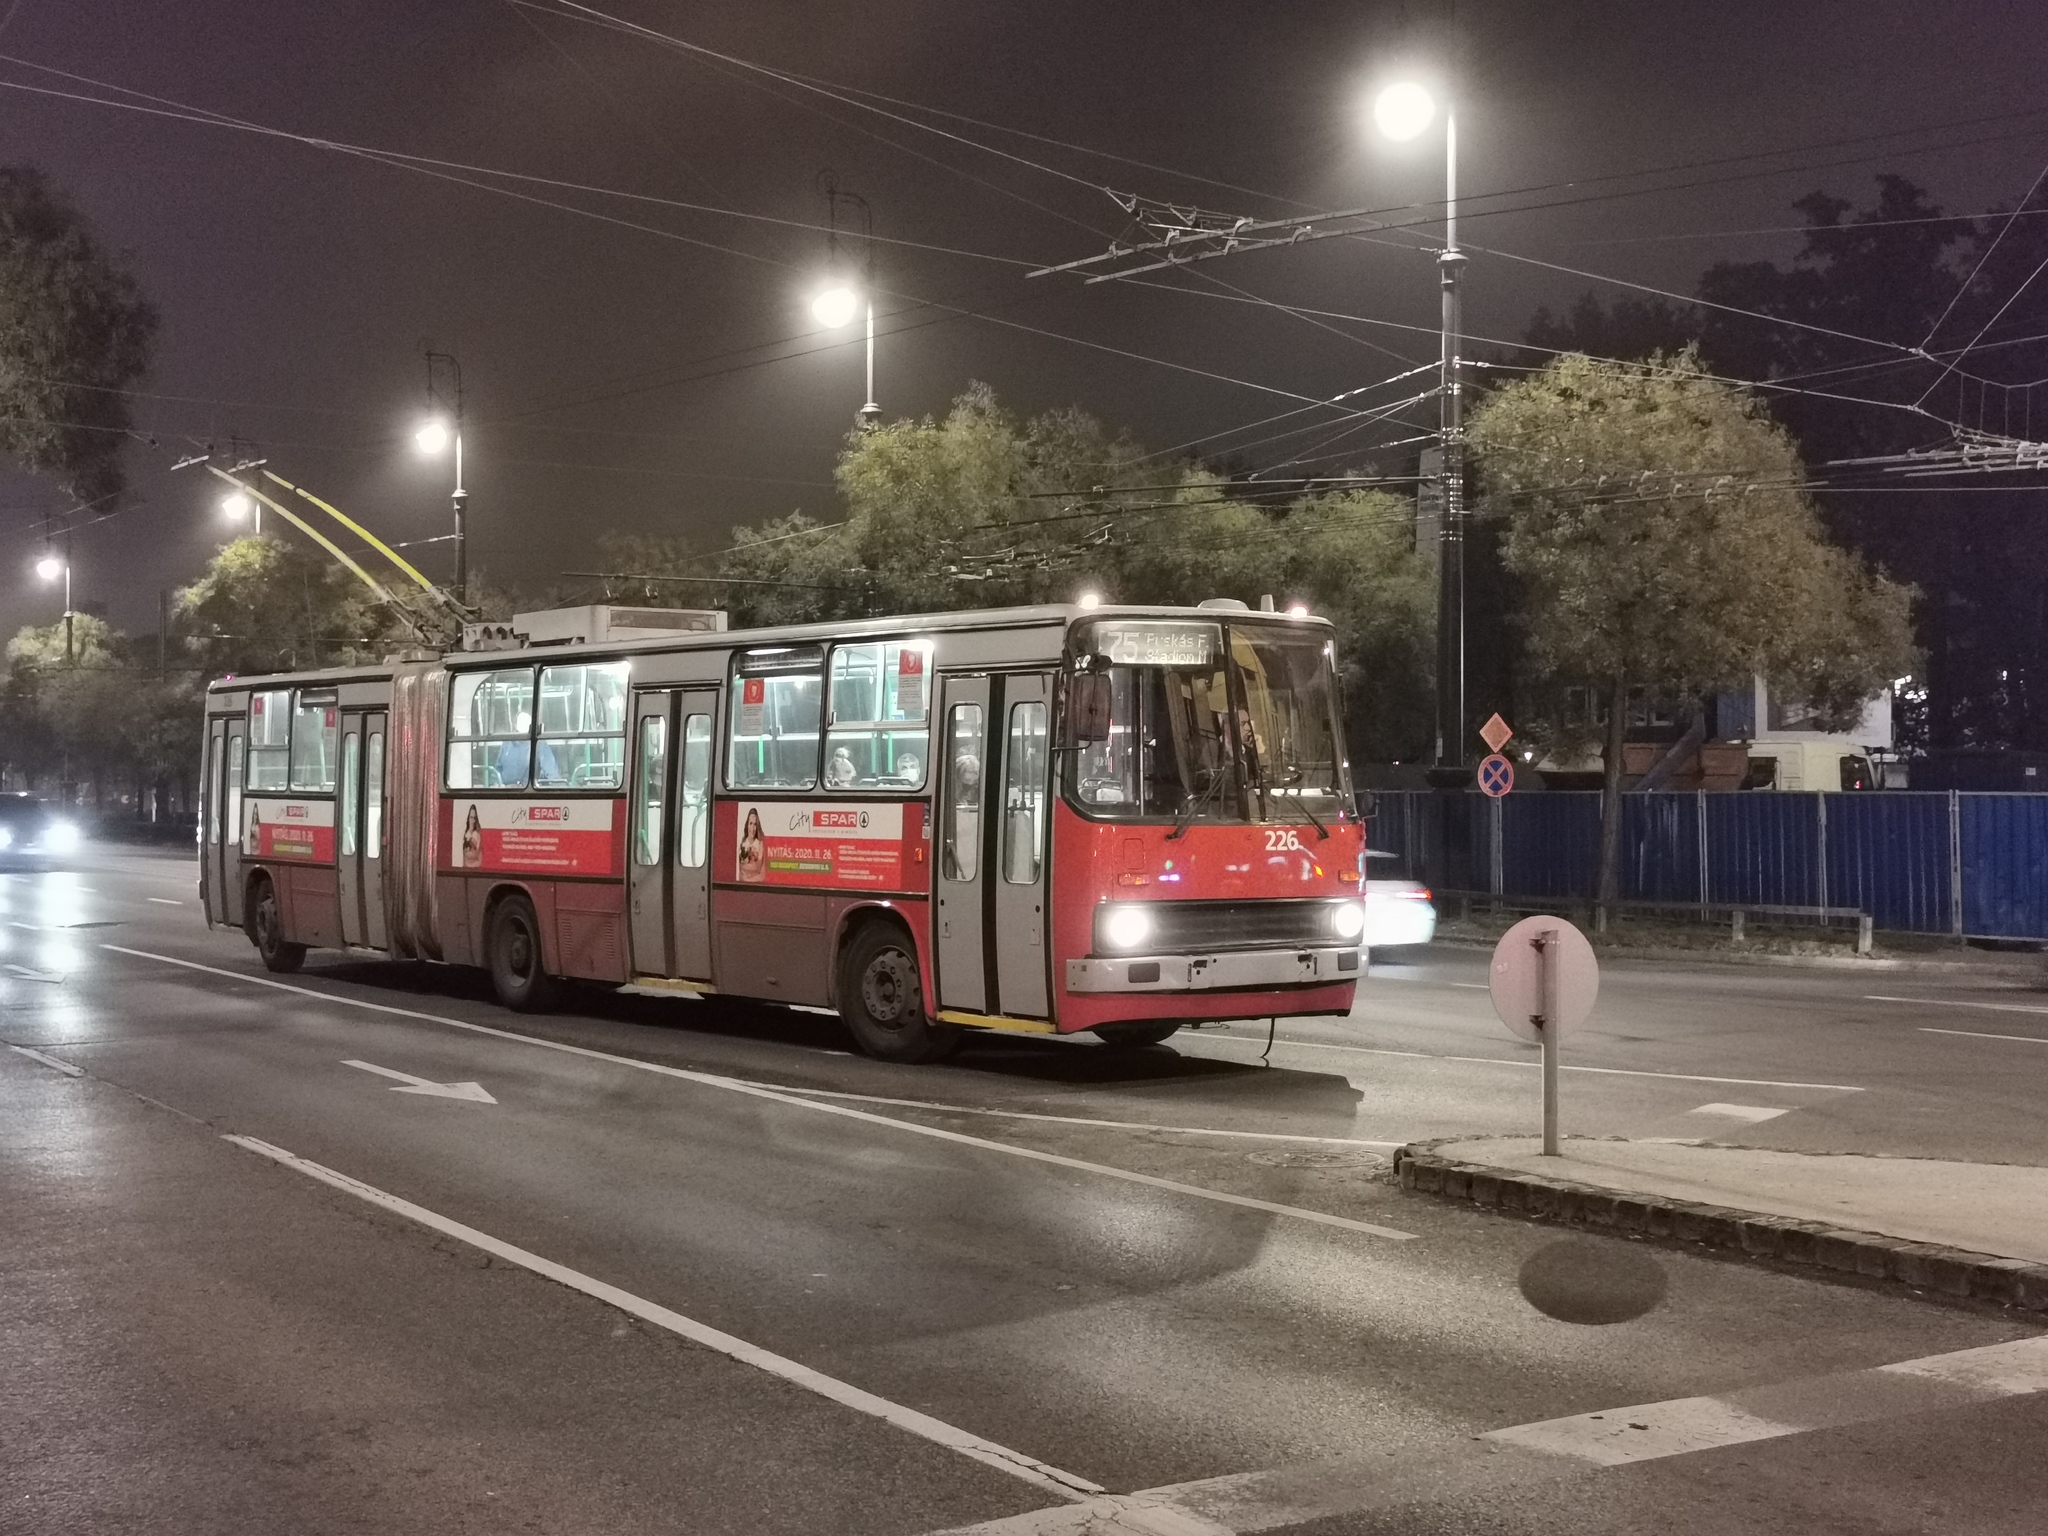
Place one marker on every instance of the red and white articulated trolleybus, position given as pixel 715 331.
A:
pixel 1046 820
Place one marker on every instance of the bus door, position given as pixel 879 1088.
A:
pixel 224 836
pixel 211 805
pixel 1025 732
pixel 962 837
pixel 359 830
pixel 668 858
pixel 647 834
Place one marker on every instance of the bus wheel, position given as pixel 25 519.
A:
pixel 514 955
pixel 1129 1037
pixel 266 931
pixel 882 999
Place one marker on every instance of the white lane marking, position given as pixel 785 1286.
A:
pixel 30 973
pixel 1753 1113
pixel 1645 1433
pixel 1016 1463
pixel 1503 1061
pixel 1115 1125
pixel 1978 1034
pixel 784 1096
pixel 26 927
pixel 1958 1002
pixel 49 1061
pixel 1243 1502
pixel 473 1092
pixel 1473 986
pixel 163 901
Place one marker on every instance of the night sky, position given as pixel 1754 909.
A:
pixel 668 377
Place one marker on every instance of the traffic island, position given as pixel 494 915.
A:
pixel 1972 1231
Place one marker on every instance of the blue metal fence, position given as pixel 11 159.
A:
pixel 1967 864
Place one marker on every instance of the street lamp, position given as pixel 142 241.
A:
pixel 432 439
pixel 50 567
pixel 836 304
pixel 237 505
pixel 1403 111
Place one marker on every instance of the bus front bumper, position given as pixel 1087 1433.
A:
pixel 1233 971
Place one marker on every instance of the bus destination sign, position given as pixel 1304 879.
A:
pixel 1158 643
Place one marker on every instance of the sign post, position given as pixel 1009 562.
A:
pixel 1543 981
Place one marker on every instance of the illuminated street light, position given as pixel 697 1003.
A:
pixel 835 306
pixel 237 505
pixel 1403 110
pixel 50 567
pixel 432 438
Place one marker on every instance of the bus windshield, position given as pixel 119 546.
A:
pixel 1211 723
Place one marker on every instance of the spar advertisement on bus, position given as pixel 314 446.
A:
pixel 542 837
pixel 848 846
pixel 297 831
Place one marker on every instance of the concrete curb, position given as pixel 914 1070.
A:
pixel 1951 1272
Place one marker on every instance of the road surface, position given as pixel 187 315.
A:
pixel 359 1251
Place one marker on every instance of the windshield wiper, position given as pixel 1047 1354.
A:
pixel 1195 805
pixel 1291 782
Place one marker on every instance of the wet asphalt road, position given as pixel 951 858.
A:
pixel 939 1294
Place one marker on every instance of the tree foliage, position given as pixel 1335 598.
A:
pixel 981 509
pixel 1658 525
pixel 266 606
pixel 74 332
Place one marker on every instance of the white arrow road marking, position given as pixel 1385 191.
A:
pixel 474 1092
pixel 1753 1113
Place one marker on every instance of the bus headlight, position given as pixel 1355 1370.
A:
pixel 1347 919
pixel 1126 927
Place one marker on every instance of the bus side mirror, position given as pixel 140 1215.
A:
pixel 1088 701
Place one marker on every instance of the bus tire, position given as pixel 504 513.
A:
pixel 517 964
pixel 881 997
pixel 266 932
pixel 1131 1037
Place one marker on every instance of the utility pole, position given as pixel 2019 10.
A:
pixel 429 441
pixel 1450 608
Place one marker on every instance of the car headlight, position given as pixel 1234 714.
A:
pixel 61 837
pixel 1127 927
pixel 1347 919
pixel 6 837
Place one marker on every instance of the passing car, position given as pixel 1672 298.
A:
pixel 1398 911
pixel 33 830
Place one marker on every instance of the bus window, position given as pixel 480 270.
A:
pixel 776 694
pixel 881 703
pixel 315 739
pixel 582 727
pixel 490 725
pixel 648 783
pixel 373 798
pixel 693 830
pixel 351 790
pixel 270 734
pixel 1287 735
pixel 960 852
pixel 1024 794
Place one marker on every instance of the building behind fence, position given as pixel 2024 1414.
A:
pixel 1971 865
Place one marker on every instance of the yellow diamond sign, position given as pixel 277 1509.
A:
pixel 1495 733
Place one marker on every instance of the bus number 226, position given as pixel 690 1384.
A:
pixel 1288 841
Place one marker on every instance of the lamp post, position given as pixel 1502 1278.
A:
pixel 432 439
pixel 837 302
pixel 237 505
pixel 1403 111
pixel 50 567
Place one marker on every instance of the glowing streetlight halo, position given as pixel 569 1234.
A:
pixel 432 438
pixel 237 505
pixel 835 306
pixel 1403 110
pixel 50 567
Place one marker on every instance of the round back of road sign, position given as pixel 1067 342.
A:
pixel 1516 979
pixel 1496 775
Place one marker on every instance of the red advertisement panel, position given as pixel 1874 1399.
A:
pixel 541 837
pixel 850 846
pixel 297 831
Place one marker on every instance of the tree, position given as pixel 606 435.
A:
pixel 267 606
pixel 74 332
pixel 979 509
pixel 1658 524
